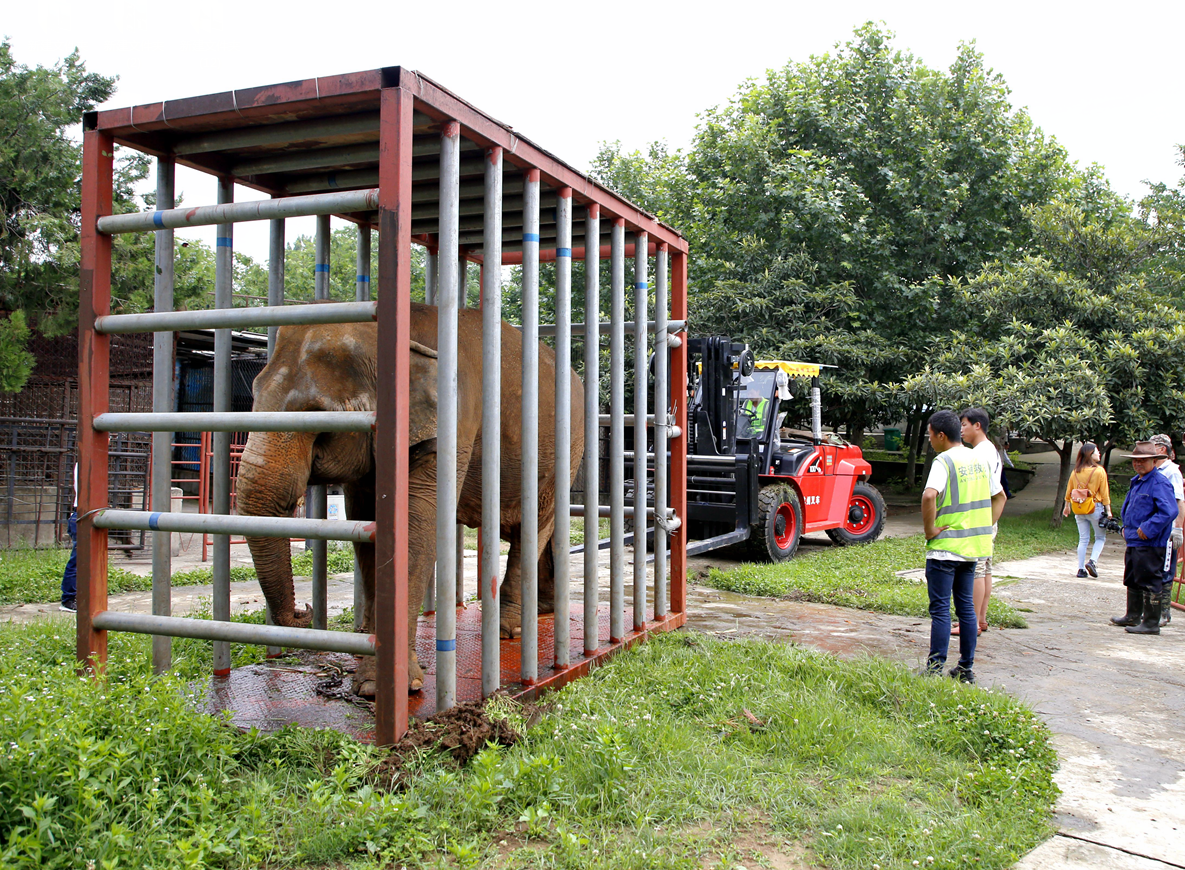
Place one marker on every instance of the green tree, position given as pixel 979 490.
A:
pixel 821 201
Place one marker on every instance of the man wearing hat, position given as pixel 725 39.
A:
pixel 1172 471
pixel 1148 515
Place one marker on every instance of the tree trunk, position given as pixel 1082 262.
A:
pixel 914 447
pixel 1066 452
pixel 857 435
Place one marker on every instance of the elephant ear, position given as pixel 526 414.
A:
pixel 422 398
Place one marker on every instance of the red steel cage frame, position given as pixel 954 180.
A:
pixel 401 104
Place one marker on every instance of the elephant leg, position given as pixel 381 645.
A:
pixel 546 562
pixel 510 600
pixel 421 558
pixel 360 507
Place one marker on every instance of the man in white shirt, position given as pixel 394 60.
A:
pixel 975 423
pixel 1172 471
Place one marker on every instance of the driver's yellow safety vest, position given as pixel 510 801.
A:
pixel 966 506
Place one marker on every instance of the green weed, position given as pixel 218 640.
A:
pixel 657 760
pixel 867 577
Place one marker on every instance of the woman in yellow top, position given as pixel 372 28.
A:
pixel 1088 496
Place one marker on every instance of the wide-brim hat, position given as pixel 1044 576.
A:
pixel 1164 442
pixel 1145 450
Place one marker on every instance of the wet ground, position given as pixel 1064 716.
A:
pixel 1114 701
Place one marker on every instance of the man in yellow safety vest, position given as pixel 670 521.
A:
pixel 958 510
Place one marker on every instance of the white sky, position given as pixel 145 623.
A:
pixel 1104 79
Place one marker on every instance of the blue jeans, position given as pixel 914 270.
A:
pixel 70 575
pixel 944 578
pixel 1086 522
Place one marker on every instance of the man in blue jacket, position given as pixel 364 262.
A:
pixel 1148 514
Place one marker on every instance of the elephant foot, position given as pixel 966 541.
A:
pixel 546 605
pixel 510 622
pixel 364 682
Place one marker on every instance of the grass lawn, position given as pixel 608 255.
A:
pixel 867 578
pixel 683 753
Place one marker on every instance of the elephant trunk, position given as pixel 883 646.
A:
pixel 273 474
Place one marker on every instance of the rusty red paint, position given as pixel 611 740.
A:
pixel 565 193
pixel 533 176
pixel 494 155
pixel 451 130
pixel 515 258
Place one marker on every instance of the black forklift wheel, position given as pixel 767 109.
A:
pixel 865 517
pixel 779 522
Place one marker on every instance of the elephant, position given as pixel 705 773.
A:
pixel 334 368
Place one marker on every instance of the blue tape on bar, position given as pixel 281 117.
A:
pixel 321 267
pixel 530 237
pixel 446 645
pixel 363 279
pixel 226 242
pixel 641 285
pixel 332 179
pixel 158 219
pixel 153 521
pixel 563 252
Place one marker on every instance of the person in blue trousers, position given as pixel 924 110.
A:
pixel 70 575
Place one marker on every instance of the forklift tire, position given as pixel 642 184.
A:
pixel 865 517
pixel 779 522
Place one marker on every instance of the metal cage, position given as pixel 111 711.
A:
pixel 394 152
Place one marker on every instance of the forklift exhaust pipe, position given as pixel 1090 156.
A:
pixel 816 412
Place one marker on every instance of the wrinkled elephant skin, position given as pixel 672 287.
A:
pixel 333 368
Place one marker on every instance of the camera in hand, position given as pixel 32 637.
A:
pixel 1111 524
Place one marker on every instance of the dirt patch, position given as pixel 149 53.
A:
pixel 459 733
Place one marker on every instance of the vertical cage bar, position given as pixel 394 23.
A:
pixel 316 497
pixel 617 432
pixel 447 295
pixel 592 429
pixel 431 280
pixel 94 300
pixel 678 448
pixel 488 571
pixel 275 275
pixel 562 536
pixel 662 404
pixel 530 432
pixel 391 618
pixel 361 294
pixel 462 302
pixel 223 298
pixel 162 402
pixel 641 375
pixel 276 252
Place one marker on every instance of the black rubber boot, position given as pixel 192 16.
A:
pixel 1150 624
pixel 1166 605
pixel 1135 607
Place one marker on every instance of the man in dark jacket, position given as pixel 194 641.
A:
pixel 1148 514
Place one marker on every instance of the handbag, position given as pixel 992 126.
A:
pixel 1081 501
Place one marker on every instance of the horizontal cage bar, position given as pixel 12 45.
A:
pixel 224 524
pixel 238 318
pixel 237 421
pixel 237 632
pixel 235 212
pixel 548 329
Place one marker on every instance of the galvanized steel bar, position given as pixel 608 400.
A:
pixel 561 537
pixel 605 327
pixel 604 510
pixel 361 294
pixel 237 632
pixel 316 502
pixel 447 293
pixel 237 421
pixel 592 396
pixel 240 318
pixel 234 524
pixel 237 212
pixel 489 568
pixel 529 552
pixel 661 430
pixel 223 298
pixel 275 277
pixel 162 401
pixel 641 376
pixel 279 134
pixel 617 433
